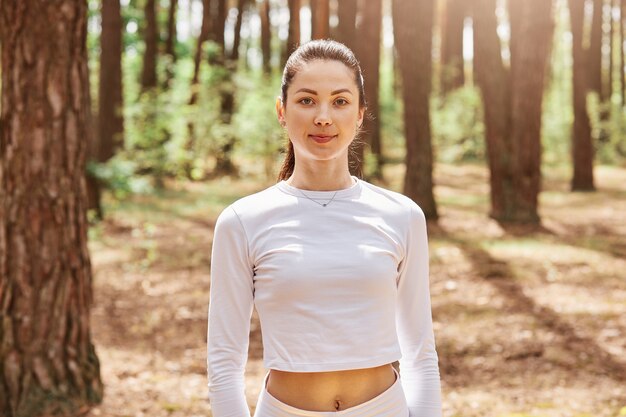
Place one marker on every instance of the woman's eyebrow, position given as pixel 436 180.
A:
pixel 341 90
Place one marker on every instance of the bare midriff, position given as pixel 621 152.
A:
pixel 330 391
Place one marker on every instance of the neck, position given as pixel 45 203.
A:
pixel 305 178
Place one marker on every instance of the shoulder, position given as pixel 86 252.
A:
pixel 252 206
pixel 394 199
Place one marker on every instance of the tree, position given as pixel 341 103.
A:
pixel 205 29
pixel 346 29
pixel 493 80
pixel 110 129
pixel 512 103
pixel 582 147
pixel 369 34
pixel 320 19
pixel 531 30
pixel 216 11
pixel 621 72
pixel 412 28
pixel 266 33
pixel 594 52
pixel 148 74
pixel 170 41
pixel 293 38
pixel 48 364
pixel 234 53
pixel 452 72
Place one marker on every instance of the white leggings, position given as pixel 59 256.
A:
pixel 390 403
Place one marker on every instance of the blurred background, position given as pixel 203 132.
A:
pixel 504 120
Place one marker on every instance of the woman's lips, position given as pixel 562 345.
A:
pixel 322 139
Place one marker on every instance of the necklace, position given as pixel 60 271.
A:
pixel 317 202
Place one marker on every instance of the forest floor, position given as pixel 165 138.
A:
pixel 528 321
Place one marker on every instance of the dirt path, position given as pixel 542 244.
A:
pixel 527 322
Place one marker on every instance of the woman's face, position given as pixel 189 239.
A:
pixel 322 110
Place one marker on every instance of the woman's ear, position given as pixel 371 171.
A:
pixel 361 115
pixel 280 111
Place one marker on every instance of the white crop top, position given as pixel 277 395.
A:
pixel 338 287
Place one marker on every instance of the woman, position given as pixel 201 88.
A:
pixel 336 267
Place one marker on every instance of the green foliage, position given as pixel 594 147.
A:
pixel 391 109
pixel 458 129
pixel 165 137
pixel 255 123
pixel 608 122
pixel 118 175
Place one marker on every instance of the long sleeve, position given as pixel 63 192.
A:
pixel 230 311
pixel 419 365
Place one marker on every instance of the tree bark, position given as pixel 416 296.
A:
pixel 494 82
pixel 531 32
pixel 110 116
pixel 412 23
pixel 320 19
pixel 512 104
pixel 48 364
pixel 582 147
pixel 266 33
pixel 369 33
pixel 110 132
pixel 346 30
pixel 622 71
pixel 609 81
pixel 452 71
pixel 217 13
pixel 205 31
pixel 234 53
pixel 170 42
pixel 148 74
pixel 594 52
pixel 293 38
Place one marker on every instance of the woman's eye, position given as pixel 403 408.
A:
pixel 306 101
pixel 341 101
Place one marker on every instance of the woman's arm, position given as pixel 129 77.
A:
pixel 230 310
pixel 419 366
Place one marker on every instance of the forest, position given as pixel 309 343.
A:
pixel 127 126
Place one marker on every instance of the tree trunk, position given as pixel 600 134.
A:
pixel 48 364
pixel 205 31
pixel 595 51
pixel 369 33
pixel 234 53
pixel 582 147
pixel 110 120
pixel 611 43
pixel 494 82
pixel 346 30
pixel 531 31
pixel 452 71
pixel 170 42
pixel 622 71
pixel 148 74
pixel 110 132
pixel 217 12
pixel 412 23
pixel 293 38
pixel 264 13
pixel 320 19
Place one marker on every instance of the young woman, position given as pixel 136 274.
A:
pixel 336 267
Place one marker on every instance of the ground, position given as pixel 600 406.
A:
pixel 528 321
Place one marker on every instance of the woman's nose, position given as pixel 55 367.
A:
pixel 323 118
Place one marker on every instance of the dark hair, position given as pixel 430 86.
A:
pixel 321 49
